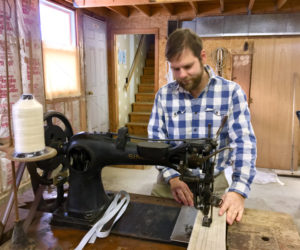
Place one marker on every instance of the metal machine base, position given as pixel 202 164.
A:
pixel 140 220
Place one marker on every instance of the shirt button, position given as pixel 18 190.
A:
pixel 196 113
pixel 195 129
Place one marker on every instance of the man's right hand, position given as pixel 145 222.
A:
pixel 181 192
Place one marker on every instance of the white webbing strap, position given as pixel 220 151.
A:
pixel 116 207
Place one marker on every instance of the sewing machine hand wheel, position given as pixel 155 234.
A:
pixel 57 135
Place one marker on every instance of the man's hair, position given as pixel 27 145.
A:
pixel 182 39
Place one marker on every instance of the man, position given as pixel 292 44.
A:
pixel 184 108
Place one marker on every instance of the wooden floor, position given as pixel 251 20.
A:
pixel 262 230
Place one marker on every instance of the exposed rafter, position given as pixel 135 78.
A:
pixel 165 1
pixel 250 5
pixel 189 9
pixel 280 3
pixel 145 9
pixel 123 11
pixel 169 8
pixel 194 7
pixel 104 3
pixel 101 12
pixel 221 6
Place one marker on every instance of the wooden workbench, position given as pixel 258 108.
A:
pixel 258 230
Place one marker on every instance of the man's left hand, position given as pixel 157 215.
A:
pixel 233 204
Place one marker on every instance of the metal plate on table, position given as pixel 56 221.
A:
pixel 147 221
pixel 184 224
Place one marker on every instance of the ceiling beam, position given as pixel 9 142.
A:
pixel 280 3
pixel 121 10
pixel 98 11
pixel 105 3
pixel 169 8
pixel 145 9
pixel 221 6
pixel 194 6
pixel 250 5
pixel 165 1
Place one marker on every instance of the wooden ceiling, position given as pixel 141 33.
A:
pixel 188 9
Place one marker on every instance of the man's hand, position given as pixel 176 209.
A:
pixel 181 192
pixel 233 204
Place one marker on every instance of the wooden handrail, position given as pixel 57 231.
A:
pixel 133 65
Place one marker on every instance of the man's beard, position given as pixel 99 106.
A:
pixel 190 84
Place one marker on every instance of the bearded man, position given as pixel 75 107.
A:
pixel 183 109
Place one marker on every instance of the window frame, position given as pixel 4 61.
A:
pixel 73 42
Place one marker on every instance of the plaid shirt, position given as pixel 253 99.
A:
pixel 177 115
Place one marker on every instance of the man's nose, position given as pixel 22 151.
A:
pixel 182 74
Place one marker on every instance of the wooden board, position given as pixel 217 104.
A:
pixel 263 230
pixel 209 238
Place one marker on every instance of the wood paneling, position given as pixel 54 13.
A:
pixel 274 77
pixel 241 72
pixel 274 85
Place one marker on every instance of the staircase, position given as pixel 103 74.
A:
pixel 141 109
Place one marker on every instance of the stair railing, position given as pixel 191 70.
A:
pixel 133 65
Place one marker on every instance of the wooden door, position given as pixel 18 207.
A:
pixel 275 91
pixel 96 74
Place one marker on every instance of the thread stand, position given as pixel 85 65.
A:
pixel 19 239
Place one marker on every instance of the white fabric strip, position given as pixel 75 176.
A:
pixel 116 207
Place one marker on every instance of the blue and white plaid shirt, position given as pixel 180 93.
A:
pixel 177 115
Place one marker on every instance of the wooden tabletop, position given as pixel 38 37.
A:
pixel 258 230
pixel 50 237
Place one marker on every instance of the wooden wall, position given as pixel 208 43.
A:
pixel 274 93
pixel 273 81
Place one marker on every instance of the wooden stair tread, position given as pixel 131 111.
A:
pixel 137 123
pixel 140 113
pixel 145 94
pixel 144 103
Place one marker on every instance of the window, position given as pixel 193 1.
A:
pixel 60 54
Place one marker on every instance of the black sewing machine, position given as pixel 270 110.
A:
pixel 82 157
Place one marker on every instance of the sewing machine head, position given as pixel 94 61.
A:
pixel 82 157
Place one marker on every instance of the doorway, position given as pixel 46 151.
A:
pixel 117 57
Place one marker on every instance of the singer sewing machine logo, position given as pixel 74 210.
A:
pixel 82 157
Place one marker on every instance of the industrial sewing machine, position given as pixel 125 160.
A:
pixel 82 157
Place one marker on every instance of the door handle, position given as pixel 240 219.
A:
pixel 90 93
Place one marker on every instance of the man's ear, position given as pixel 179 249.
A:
pixel 203 56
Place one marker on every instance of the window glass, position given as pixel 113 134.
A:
pixel 60 54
